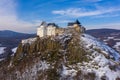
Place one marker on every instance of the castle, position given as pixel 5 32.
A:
pixel 51 29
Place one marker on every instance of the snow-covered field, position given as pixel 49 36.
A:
pixel 2 50
pixel 113 41
pixel 91 41
pixel 117 46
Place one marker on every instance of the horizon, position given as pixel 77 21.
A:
pixel 36 32
pixel 25 16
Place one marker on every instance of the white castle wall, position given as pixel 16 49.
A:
pixel 46 31
pixel 41 31
pixel 51 30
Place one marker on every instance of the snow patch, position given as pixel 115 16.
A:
pixel 31 72
pixel 91 41
pixel 14 49
pixel 110 37
pixel 66 72
pixel 117 44
pixel 1 59
pixel 116 39
pixel 2 50
pixel 29 41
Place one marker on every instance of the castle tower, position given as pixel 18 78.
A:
pixel 75 25
pixel 51 29
pixel 47 29
pixel 41 31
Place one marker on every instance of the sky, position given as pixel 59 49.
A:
pixel 26 15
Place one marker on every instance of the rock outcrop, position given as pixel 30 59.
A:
pixel 71 56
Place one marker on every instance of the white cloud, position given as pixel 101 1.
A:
pixel 9 19
pixel 107 15
pixel 79 12
pixel 61 21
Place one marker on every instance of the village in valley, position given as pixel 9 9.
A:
pixel 52 29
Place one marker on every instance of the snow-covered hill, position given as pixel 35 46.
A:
pixel 110 36
pixel 70 56
pixel 103 56
pixel 95 43
pixel 2 51
pixel 6 52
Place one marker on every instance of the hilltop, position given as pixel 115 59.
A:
pixel 69 56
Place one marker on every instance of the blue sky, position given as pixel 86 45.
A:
pixel 26 15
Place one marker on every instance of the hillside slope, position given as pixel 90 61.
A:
pixel 70 56
pixel 110 36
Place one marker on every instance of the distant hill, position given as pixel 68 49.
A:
pixel 109 36
pixel 102 32
pixel 8 33
pixel 12 39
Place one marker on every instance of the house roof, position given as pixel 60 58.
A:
pixel 52 24
pixel 43 23
pixel 72 23
pixel 77 22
